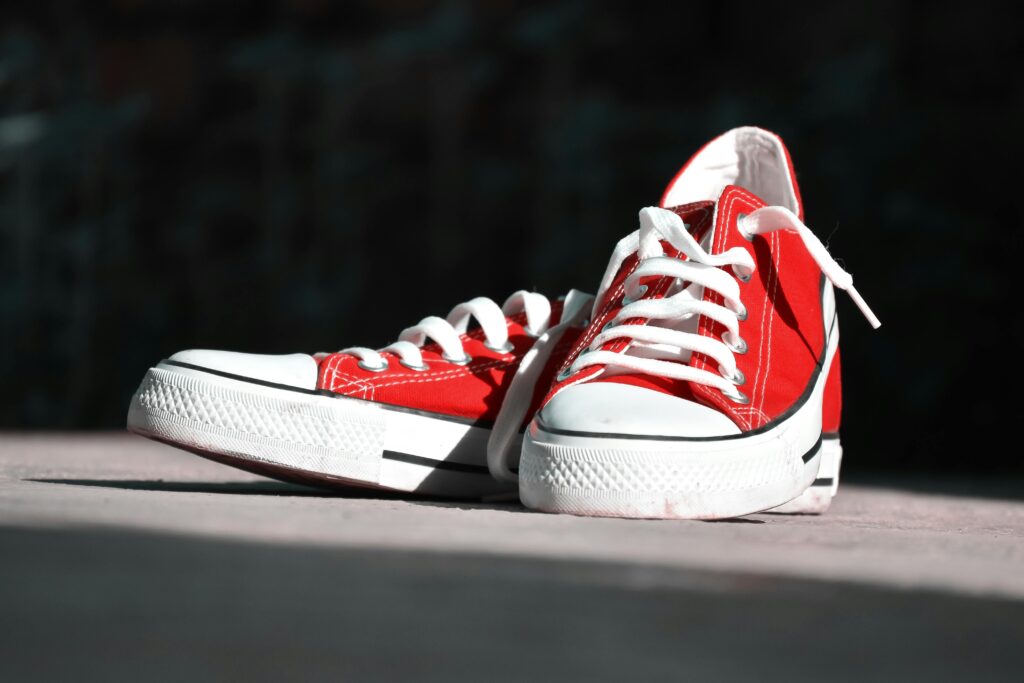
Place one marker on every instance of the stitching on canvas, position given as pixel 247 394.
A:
pixel 449 374
pixel 445 374
pixel 368 387
pixel 344 380
pixel 738 412
pixel 364 386
pixel 727 406
pixel 770 297
pixel 759 373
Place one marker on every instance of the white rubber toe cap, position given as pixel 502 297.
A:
pixel 294 370
pixel 611 408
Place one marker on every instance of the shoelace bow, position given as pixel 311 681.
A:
pixel 446 331
pixel 666 347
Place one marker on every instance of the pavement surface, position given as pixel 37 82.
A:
pixel 123 559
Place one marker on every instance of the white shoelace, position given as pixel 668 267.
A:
pixel 666 349
pixel 520 392
pixel 446 332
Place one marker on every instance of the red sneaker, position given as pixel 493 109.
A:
pixel 707 384
pixel 414 416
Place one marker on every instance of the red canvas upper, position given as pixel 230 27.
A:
pixel 784 329
pixel 473 391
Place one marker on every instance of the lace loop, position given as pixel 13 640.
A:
pixel 667 350
pixel 446 332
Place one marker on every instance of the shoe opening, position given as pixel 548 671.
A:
pixel 750 157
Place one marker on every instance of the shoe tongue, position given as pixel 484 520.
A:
pixel 575 302
pixel 752 158
pixel 572 308
pixel 697 216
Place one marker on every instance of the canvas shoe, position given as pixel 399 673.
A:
pixel 412 417
pixel 707 383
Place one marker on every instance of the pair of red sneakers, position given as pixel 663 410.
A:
pixel 702 381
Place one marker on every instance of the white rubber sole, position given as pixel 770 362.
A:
pixel 818 496
pixel 621 480
pixel 665 477
pixel 311 437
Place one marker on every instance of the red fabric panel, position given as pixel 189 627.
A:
pixel 474 391
pixel 784 329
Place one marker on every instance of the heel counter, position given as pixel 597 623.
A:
pixel 832 403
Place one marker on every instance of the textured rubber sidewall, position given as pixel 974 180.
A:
pixel 659 484
pixel 259 424
pixel 817 499
pixel 323 439
pixel 662 477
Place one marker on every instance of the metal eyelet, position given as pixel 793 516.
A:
pixel 418 368
pixel 739 228
pixel 737 377
pixel 505 348
pixel 627 300
pixel 738 397
pixel 742 278
pixel 564 375
pixel 608 325
pixel 739 346
pixel 457 361
pixel 741 314
pixel 372 368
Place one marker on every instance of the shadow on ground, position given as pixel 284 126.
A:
pixel 276 488
pixel 100 604
pixel 259 488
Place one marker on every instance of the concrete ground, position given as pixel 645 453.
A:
pixel 122 559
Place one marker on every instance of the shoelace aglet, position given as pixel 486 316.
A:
pixel 864 308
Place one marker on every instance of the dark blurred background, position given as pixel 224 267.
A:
pixel 306 175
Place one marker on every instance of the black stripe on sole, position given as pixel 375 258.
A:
pixel 809 455
pixel 435 464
